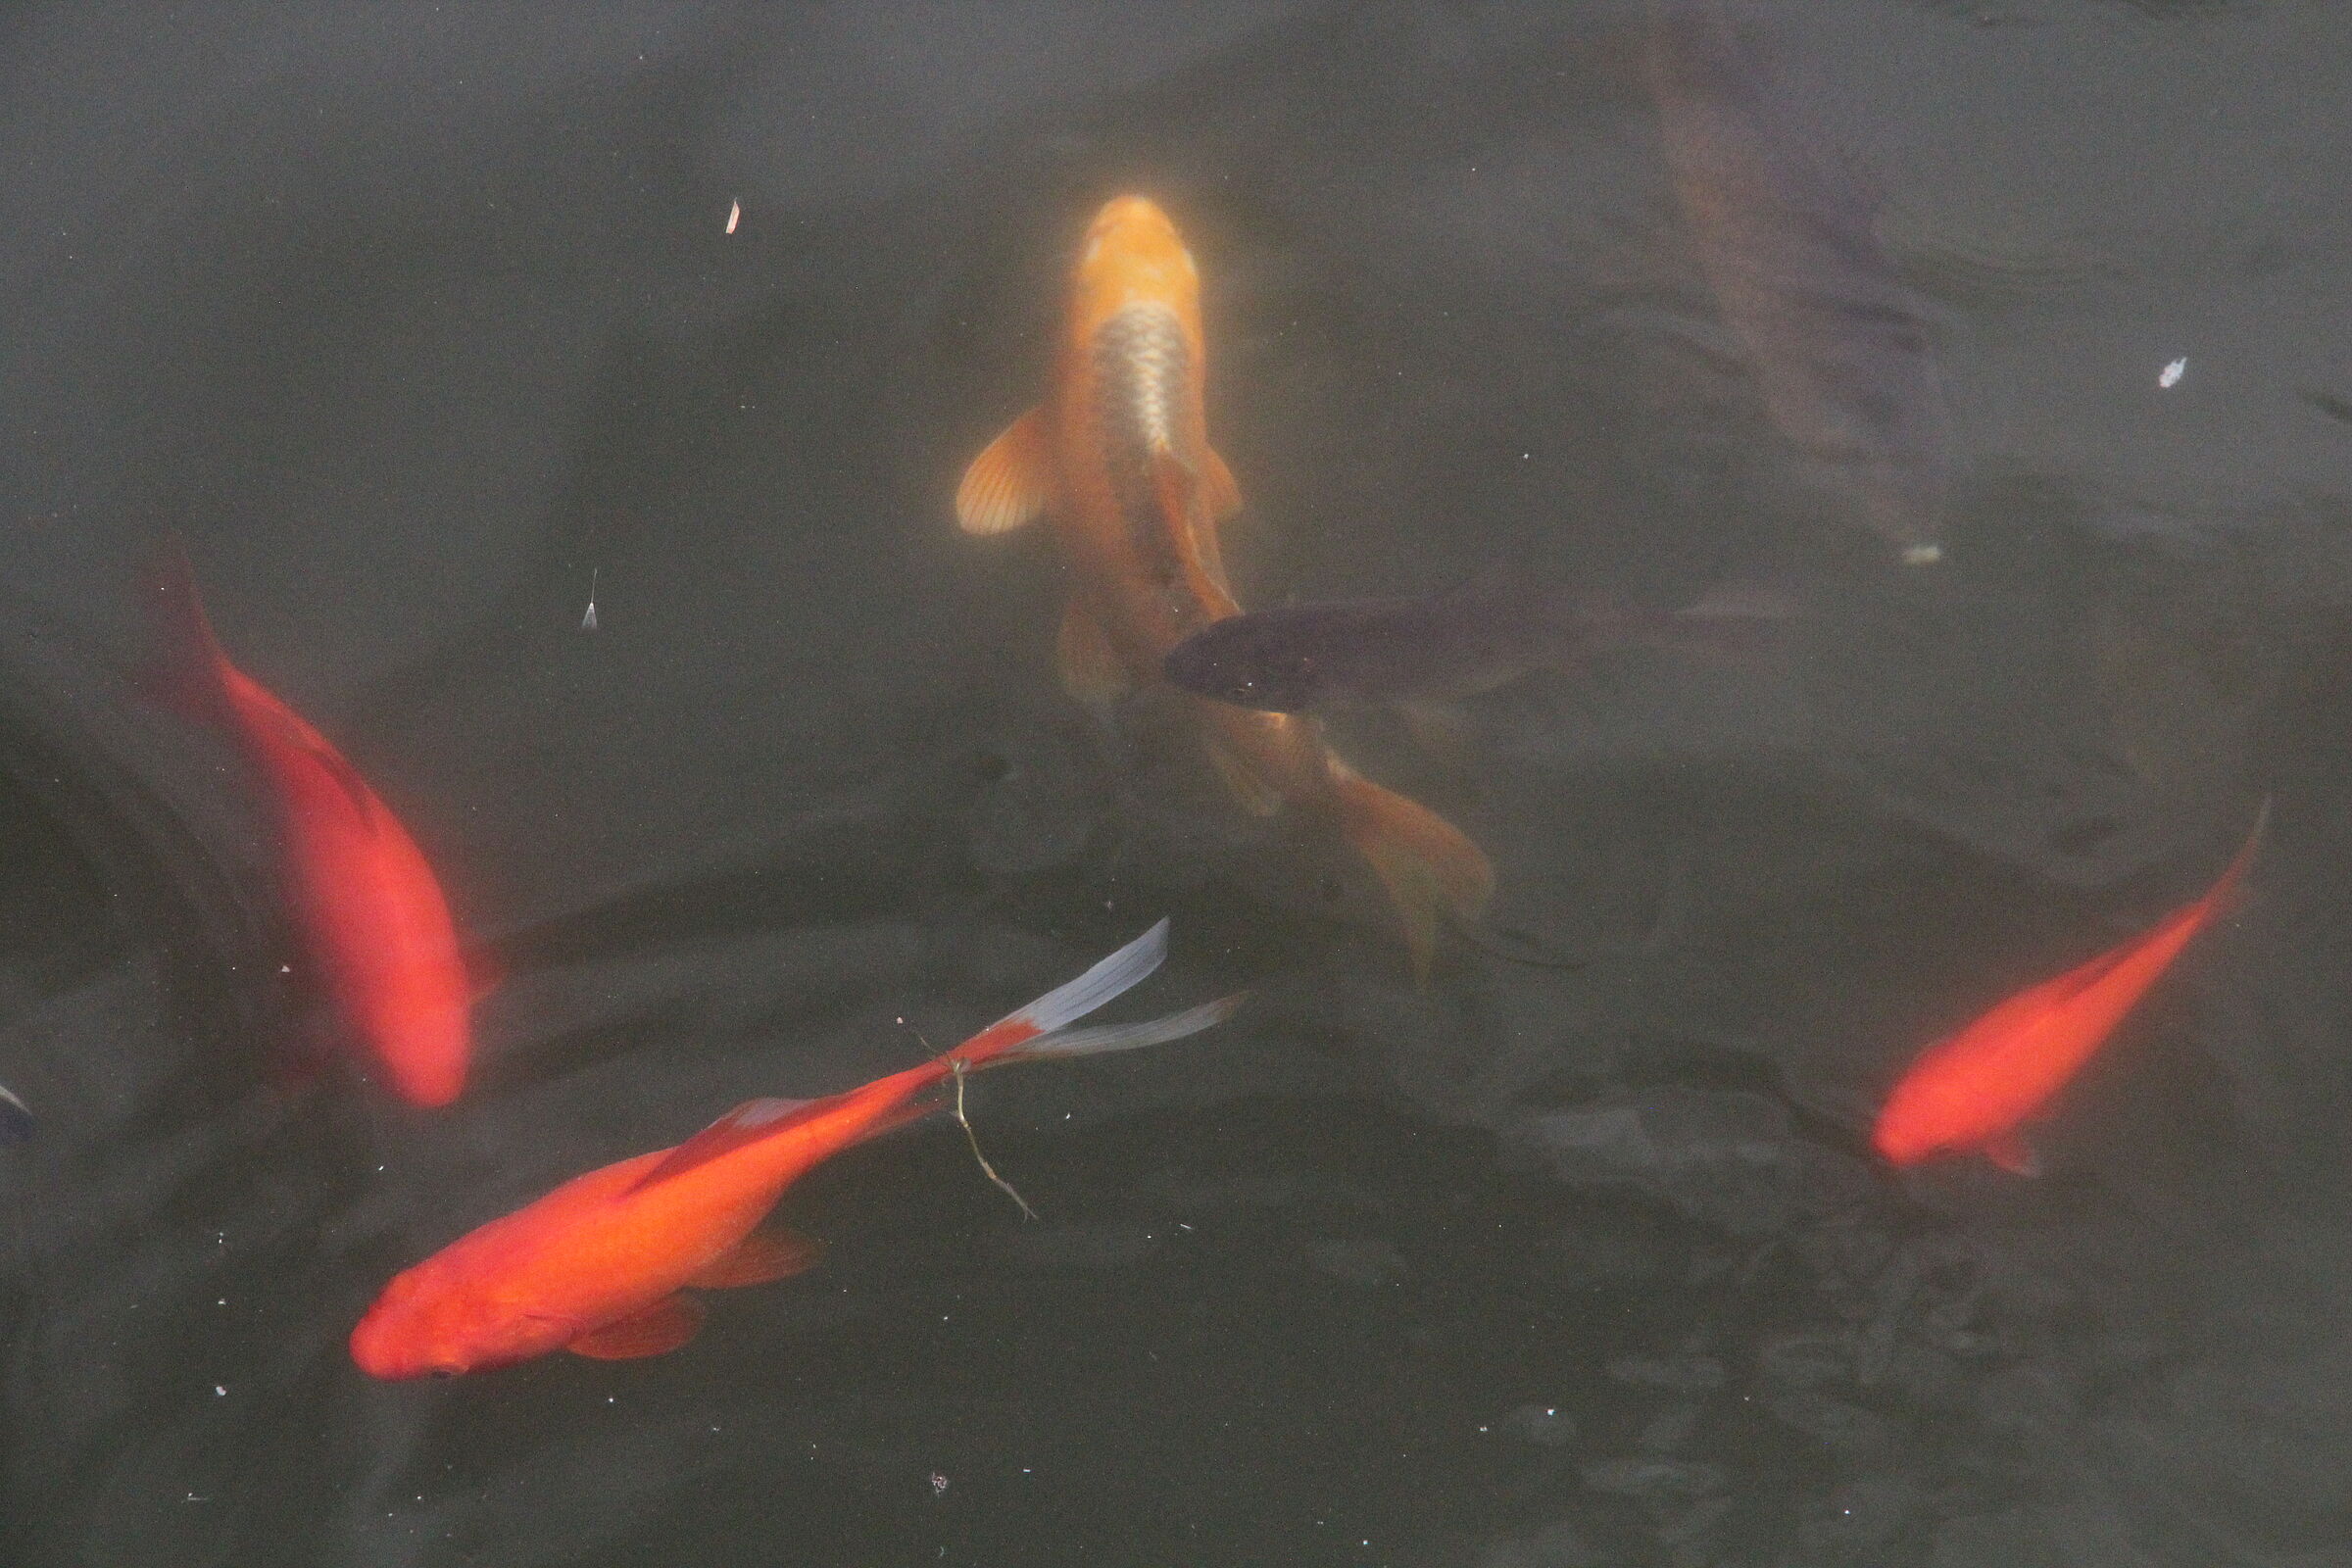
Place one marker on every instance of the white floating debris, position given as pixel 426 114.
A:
pixel 2172 372
pixel 734 216
pixel 1922 555
pixel 588 620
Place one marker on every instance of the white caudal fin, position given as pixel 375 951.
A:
pixel 1066 1004
pixel 1107 1038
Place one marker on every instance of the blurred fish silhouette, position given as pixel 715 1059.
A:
pixel 16 1118
pixel 1415 651
pixel 1972 1092
pixel 596 1266
pixel 1118 457
pixel 1783 233
pixel 366 904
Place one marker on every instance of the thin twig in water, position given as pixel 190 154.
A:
pixel 985 1169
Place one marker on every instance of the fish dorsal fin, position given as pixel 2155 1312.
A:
pixel 764 1255
pixel 1010 481
pixel 649 1331
pixel 1176 486
pixel 1218 490
pixel 300 737
pixel 747 1123
pixel 1091 670
pixel 2014 1154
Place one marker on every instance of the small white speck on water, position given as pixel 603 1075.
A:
pixel 2170 376
pixel 588 620
pixel 734 216
pixel 220 1389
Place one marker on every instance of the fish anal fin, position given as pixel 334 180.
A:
pixel 1010 481
pixel 654 1330
pixel 898 1117
pixel 2014 1154
pixel 1431 869
pixel 1091 670
pixel 1257 797
pixel 773 1253
pixel 1218 491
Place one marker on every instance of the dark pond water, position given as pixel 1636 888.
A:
pixel 421 324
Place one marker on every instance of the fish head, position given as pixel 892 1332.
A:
pixel 1131 254
pixel 1250 661
pixel 434 1322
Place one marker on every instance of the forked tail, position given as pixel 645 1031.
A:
pixel 1432 871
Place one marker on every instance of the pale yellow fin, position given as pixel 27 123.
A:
pixel 1442 728
pixel 1091 670
pixel 1009 483
pixel 649 1331
pixel 2014 1154
pixel 1218 491
pixel 1432 871
pixel 761 1256
pixel 1257 797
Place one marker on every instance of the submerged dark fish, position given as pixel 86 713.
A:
pixel 1450 645
pixel 1117 458
pixel 16 1120
pixel 1837 342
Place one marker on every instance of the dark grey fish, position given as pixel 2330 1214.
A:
pixel 1458 644
pixel 1838 344
pixel 16 1121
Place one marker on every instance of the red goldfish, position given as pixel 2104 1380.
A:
pixel 1118 457
pixel 596 1266
pixel 1971 1093
pixel 368 906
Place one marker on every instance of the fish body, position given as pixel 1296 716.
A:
pixel 596 1265
pixel 1838 346
pixel 1973 1092
pixel 369 909
pixel 1361 652
pixel 1119 457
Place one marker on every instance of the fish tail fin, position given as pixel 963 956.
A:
pixel 179 674
pixel 1732 617
pixel 1106 1038
pixel 1066 1003
pixel 1431 869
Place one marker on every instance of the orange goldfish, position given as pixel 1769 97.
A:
pixel 1119 457
pixel 1972 1092
pixel 366 904
pixel 596 1266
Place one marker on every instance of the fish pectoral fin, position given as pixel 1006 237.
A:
pixel 1257 797
pixel 1091 670
pixel 1218 490
pixel 649 1331
pixel 2014 1154
pixel 1010 481
pixel 1440 728
pixel 772 1253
